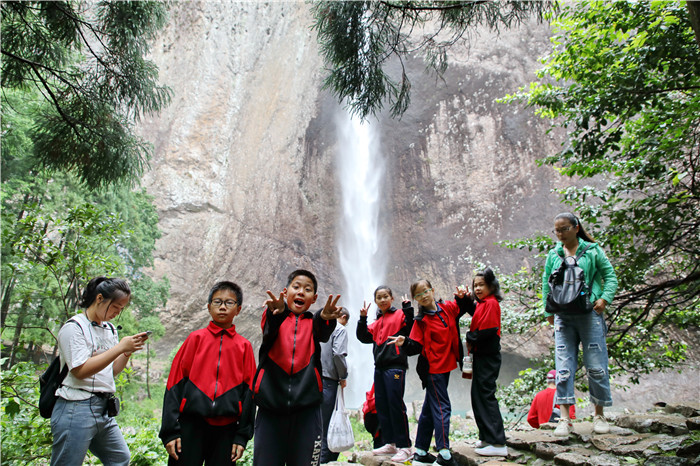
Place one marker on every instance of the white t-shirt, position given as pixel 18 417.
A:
pixel 78 343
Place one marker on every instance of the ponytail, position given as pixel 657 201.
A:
pixel 109 288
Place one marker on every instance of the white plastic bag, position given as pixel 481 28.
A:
pixel 340 437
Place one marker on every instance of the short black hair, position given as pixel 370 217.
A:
pixel 303 273
pixel 226 285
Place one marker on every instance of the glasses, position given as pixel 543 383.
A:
pixel 562 230
pixel 421 294
pixel 229 304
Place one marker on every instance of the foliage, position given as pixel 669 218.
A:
pixel 359 38
pixel 86 61
pixel 623 79
pixel 26 436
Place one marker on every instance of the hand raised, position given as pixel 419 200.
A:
pixel 462 291
pixel 276 305
pixel 365 308
pixel 405 299
pixel 331 310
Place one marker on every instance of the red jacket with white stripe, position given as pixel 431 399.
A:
pixel 211 376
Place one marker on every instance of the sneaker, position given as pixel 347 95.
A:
pixel 492 450
pixel 387 449
pixel 423 460
pixel 481 444
pixel 401 456
pixel 443 462
pixel 563 428
pixel 600 425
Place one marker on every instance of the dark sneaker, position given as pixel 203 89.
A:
pixel 443 462
pixel 423 460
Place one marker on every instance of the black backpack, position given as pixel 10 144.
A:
pixel 49 381
pixel 568 291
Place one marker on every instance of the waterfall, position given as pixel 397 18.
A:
pixel 361 174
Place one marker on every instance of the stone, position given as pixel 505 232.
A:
pixel 685 409
pixel 689 450
pixel 666 461
pixel 526 439
pixel 660 423
pixel 577 459
pixel 548 451
pixel 609 442
pixel 693 423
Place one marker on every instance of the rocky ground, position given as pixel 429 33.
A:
pixel 665 435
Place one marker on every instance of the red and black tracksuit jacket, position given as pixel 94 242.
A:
pixel 485 329
pixel 435 336
pixel 289 363
pixel 211 377
pixel 393 323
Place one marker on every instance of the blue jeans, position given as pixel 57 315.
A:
pixel 81 425
pixel 589 330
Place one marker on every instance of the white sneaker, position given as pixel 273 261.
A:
pixel 481 444
pixel 387 449
pixel 492 450
pixel 563 428
pixel 600 425
pixel 401 456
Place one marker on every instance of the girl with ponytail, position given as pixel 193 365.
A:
pixel 88 344
pixel 484 344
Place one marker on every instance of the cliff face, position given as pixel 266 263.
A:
pixel 245 169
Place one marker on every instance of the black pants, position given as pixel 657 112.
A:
pixel 372 425
pixel 203 443
pixel 484 403
pixel 288 439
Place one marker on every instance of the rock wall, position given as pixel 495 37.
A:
pixel 244 174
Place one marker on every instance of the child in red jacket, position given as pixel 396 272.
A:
pixel 435 336
pixel 390 366
pixel 207 408
pixel 484 343
pixel 287 387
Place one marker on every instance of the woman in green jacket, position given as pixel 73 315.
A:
pixel 588 330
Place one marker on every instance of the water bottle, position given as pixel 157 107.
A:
pixel 467 367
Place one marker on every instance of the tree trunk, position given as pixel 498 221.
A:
pixel 6 299
pixel 148 369
pixel 18 332
pixel 694 14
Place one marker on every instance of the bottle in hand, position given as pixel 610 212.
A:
pixel 467 367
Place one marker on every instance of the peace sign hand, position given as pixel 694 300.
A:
pixel 365 308
pixel 331 310
pixel 276 305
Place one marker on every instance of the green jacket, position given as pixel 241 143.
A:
pixel 605 282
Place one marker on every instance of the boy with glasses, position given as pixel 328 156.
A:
pixel 207 408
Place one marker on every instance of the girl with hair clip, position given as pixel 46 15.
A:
pixel 89 345
pixel 588 330
pixel 484 344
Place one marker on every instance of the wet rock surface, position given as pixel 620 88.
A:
pixel 665 435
